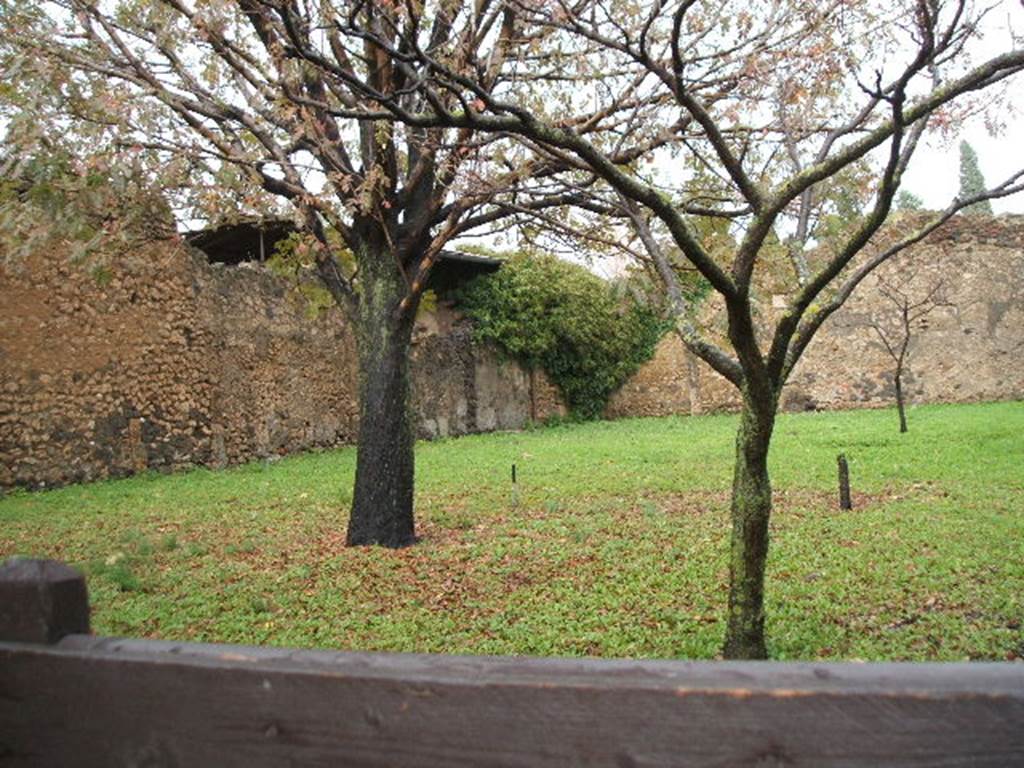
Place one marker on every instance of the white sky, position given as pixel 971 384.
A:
pixel 934 174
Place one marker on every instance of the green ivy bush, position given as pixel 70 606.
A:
pixel 559 317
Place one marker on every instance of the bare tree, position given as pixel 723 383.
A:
pixel 774 101
pixel 909 300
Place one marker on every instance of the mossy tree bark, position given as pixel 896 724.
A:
pixel 751 511
pixel 382 500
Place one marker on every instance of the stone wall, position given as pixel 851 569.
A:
pixel 461 388
pixel 163 360
pixel 968 351
pixel 102 372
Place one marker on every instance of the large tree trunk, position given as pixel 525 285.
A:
pixel 382 501
pixel 751 510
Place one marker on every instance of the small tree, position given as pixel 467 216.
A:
pixel 972 182
pixel 909 300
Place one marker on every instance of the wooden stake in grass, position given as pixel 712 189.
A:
pixel 844 483
pixel 515 488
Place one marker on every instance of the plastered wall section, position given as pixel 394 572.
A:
pixel 460 387
pixel 968 351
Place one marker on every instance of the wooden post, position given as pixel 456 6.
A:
pixel 41 601
pixel 844 483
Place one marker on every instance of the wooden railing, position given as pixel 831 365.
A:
pixel 68 698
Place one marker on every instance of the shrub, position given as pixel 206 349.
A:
pixel 559 317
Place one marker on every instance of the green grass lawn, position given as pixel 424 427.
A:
pixel 617 546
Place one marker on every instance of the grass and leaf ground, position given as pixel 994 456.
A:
pixel 616 547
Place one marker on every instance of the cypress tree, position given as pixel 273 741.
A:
pixel 971 180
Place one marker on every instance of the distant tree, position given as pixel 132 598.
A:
pixel 971 180
pixel 908 201
pixel 909 300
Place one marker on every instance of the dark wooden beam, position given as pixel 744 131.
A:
pixel 106 702
pixel 41 601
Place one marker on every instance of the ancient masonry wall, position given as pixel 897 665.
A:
pixel 162 360
pixel 971 350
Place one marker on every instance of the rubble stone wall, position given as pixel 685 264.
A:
pixel 970 350
pixel 103 372
pixel 162 360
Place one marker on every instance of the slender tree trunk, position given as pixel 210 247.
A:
pixel 899 401
pixel 751 510
pixel 382 501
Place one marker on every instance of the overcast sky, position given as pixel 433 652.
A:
pixel 934 175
